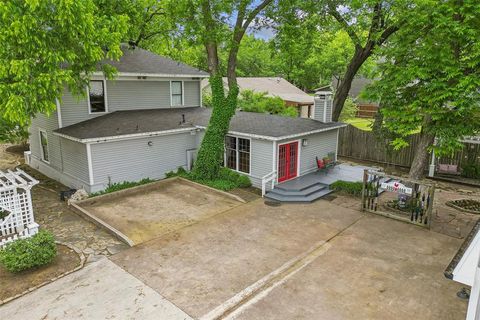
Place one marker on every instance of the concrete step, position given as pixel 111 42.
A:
pixel 305 192
pixel 299 199
pixel 297 185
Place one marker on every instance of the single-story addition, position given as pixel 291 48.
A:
pixel 144 124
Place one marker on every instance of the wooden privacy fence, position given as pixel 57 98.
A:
pixel 364 145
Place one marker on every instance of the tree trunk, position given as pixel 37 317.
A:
pixel 359 57
pixel 420 160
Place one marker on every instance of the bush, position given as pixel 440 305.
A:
pixel 471 170
pixel 260 102
pixel 353 188
pixel 28 253
pixel 121 186
pixel 226 179
pixel 349 110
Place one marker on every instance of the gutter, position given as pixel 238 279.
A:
pixel 126 136
pixel 448 273
pixel 183 130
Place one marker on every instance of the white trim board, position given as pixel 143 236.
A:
pixel 166 132
pixel 153 75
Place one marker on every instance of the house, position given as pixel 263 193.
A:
pixel 366 108
pixel 275 87
pixel 149 121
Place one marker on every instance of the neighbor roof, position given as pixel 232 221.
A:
pixel 144 122
pixel 140 61
pixel 274 87
pixel 358 85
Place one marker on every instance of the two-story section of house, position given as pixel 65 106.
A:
pixel 149 120
pixel 144 81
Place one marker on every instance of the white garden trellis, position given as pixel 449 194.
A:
pixel 16 206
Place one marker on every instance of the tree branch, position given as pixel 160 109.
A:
pixel 240 28
pixel 351 33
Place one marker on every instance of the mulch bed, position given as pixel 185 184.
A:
pixel 466 205
pixel 18 149
pixel 13 284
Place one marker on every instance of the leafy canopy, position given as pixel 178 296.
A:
pixel 431 74
pixel 48 44
pixel 260 102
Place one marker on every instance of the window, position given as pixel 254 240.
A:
pixel 177 93
pixel 44 145
pixel 96 94
pixel 237 154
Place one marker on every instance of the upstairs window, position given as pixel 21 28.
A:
pixel 44 146
pixel 96 95
pixel 237 154
pixel 177 93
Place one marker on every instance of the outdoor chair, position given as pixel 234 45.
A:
pixel 321 165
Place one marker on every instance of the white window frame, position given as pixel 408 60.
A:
pixel 104 96
pixel 237 163
pixel 40 131
pixel 183 94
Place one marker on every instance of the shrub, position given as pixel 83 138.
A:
pixel 353 188
pixel 471 170
pixel 28 253
pixel 226 179
pixel 120 186
pixel 260 102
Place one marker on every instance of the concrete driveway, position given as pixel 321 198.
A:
pixel 324 260
pixel 100 291
pixel 310 261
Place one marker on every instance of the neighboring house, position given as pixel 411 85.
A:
pixel 366 108
pixel 275 87
pixel 149 121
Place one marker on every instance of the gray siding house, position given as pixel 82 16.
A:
pixel 150 120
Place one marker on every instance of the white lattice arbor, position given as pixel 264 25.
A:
pixel 16 212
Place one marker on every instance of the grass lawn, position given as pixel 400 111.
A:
pixel 361 123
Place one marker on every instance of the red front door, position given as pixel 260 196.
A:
pixel 287 161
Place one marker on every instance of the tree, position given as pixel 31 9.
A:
pixel 251 101
pixel 49 44
pixel 208 21
pixel 368 24
pixel 431 79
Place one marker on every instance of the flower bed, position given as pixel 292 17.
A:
pixel 466 205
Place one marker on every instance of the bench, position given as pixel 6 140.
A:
pixel 324 164
pixel 448 169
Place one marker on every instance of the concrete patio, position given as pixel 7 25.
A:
pixel 315 185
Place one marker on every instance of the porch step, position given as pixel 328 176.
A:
pixel 272 195
pixel 306 191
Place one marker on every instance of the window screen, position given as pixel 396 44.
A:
pixel 97 97
pixel 44 145
pixel 177 93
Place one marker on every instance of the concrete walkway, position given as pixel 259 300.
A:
pixel 100 291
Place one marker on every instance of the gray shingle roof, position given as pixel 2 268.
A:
pixel 121 123
pixel 273 86
pixel 142 61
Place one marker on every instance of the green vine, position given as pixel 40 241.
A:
pixel 210 155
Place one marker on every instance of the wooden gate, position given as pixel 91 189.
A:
pixel 398 198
